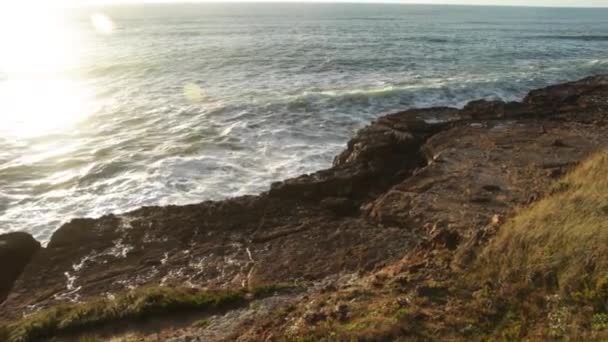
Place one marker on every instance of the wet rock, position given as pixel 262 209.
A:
pixel 79 231
pixel 515 109
pixel 568 97
pixel 492 110
pixel 16 250
pixel 389 146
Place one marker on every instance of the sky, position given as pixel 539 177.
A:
pixel 568 3
pixel 560 3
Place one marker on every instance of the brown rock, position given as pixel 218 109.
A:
pixel 339 206
pixel 559 143
pixel 16 250
pixel 483 109
pixel 298 230
pixel 491 188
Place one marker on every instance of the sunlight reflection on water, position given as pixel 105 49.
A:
pixel 110 108
pixel 40 89
pixel 35 107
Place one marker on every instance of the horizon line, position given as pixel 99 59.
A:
pixel 369 2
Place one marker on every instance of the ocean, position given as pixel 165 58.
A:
pixel 138 105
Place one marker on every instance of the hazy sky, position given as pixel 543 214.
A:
pixel 569 3
pixel 582 3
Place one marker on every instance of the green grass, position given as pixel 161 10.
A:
pixel 136 305
pixel 201 323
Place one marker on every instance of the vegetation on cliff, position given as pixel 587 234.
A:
pixel 136 305
pixel 561 240
pixel 551 260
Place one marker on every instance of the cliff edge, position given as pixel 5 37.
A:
pixel 395 227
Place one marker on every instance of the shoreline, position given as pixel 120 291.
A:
pixel 402 185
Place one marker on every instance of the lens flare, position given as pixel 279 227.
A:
pixel 193 93
pixel 102 23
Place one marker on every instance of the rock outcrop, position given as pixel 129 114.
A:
pixel 16 250
pixel 407 183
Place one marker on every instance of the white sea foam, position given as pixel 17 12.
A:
pixel 186 104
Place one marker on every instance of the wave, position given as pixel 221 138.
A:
pixel 586 38
pixel 596 63
pixel 430 39
pixel 453 92
pixel 366 92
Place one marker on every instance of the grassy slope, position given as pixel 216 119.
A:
pixel 549 264
pixel 562 240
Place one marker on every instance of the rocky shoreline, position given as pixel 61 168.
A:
pixel 408 186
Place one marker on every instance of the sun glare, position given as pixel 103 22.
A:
pixel 36 41
pixel 35 107
pixel 39 86
pixel 102 23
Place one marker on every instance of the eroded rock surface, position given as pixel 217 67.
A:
pixel 403 183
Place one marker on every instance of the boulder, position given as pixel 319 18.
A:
pixel 16 250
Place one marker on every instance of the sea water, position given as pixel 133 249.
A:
pixel 171 104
